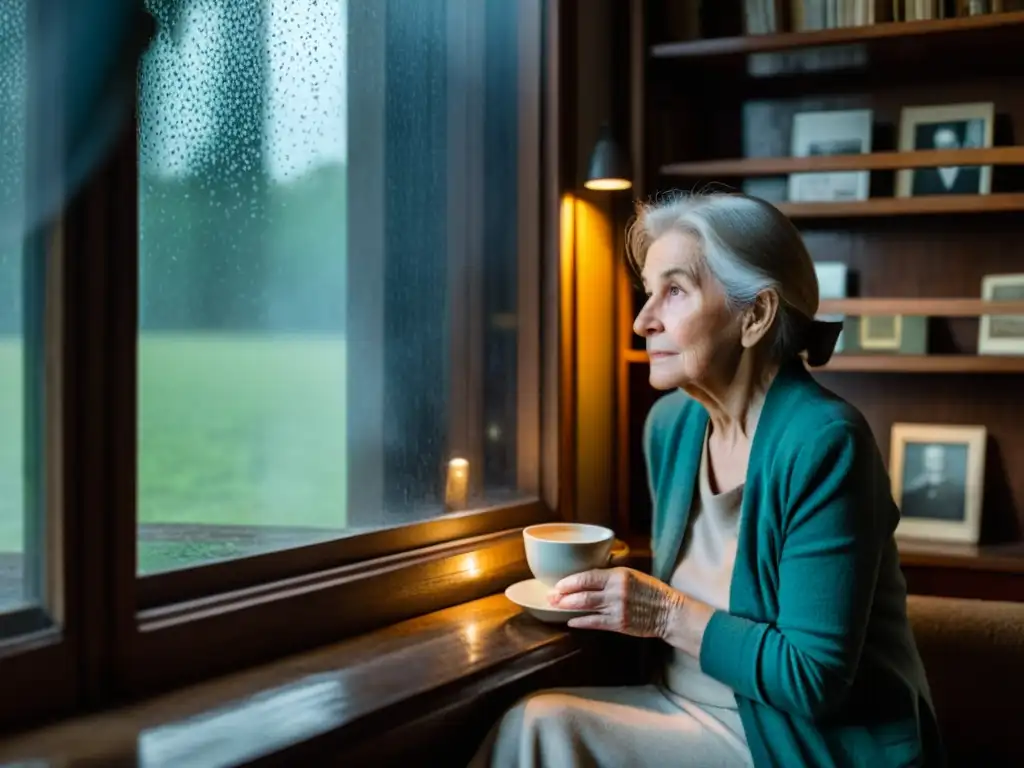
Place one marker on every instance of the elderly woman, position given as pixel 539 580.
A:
pixel 776 591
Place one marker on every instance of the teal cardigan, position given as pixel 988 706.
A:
pixel 816 643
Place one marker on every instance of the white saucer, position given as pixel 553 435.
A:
pixel 532 596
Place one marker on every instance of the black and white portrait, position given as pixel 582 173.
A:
pixel 935 481
pixel 937 473
pixel 821 134
pixel 950 128
pixel 954 180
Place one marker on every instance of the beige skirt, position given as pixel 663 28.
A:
pixel 626 727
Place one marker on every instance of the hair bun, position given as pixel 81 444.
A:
pixel 820 341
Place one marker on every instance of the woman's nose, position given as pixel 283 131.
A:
pixel 646 323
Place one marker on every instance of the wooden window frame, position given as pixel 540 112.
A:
pixel 45 646
pixel 43 642
pixel 142 635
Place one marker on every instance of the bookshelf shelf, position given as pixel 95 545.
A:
pixel 906 206
pixel 925 364
pixel 776 166
pixel 920 307
pixel 900 363
pixel 891 31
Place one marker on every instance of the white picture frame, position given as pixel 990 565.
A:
pixel 937 474
pixel 881 332
pixel 1001 334
pixel 951 126
pixel 833 283
pixel 833 132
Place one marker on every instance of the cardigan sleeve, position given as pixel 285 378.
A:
pixel 833 538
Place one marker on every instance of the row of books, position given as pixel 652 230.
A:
pixel 769 16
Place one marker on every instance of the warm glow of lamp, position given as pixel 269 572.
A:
pixel 473 565
pixel 471 642
pixel 456 492
pixel 608 185
pixel 609 167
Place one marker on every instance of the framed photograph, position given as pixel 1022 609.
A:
pixel 1002 334
pixel 881 332
pixel 839 132
pixel 955 126
pixel 833 282
pixel 937 474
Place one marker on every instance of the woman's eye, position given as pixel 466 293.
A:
pixel 675 290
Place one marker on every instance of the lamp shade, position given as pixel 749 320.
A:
pixel 609 167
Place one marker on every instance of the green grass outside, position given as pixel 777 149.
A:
pixel 11 490
pixel 234 430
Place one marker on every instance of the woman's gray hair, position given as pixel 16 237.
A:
pixel 747 246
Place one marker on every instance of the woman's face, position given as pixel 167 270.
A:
pixel 686 320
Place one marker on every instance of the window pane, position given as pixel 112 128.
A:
pixel 322 331
pixel 13 584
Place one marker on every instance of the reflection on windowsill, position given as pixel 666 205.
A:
pixel 243 731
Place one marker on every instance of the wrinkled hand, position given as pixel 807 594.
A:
pixel 624 600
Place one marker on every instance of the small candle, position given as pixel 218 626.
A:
pixel 457 488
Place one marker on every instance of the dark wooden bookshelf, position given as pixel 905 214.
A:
pixel 701 116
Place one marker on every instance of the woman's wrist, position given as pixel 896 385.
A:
pixel 683 622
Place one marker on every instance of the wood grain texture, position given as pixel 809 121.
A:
pixel 913 306
pixel 171 587
pixel 906 206
pixel 320 702
pixel 263 623
pixel 926 364
pixel 886 161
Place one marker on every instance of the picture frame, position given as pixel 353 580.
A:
pixel 833 283
pixel 952 126
pixel 1002 334
pixel 832 132
pixel 887 335
pixel 881 332
pixel 937 475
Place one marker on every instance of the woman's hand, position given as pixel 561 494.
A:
pixel 634 603
pixel 624 600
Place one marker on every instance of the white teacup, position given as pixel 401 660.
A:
pixel 557 550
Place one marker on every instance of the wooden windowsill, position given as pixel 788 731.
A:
pixel 334 698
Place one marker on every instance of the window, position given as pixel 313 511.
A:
pixel 23 270
pixel 34 615
pixel 281 353
pixel 14 588
pixel 329 328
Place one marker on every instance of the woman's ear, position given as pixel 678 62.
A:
pixel 759 317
